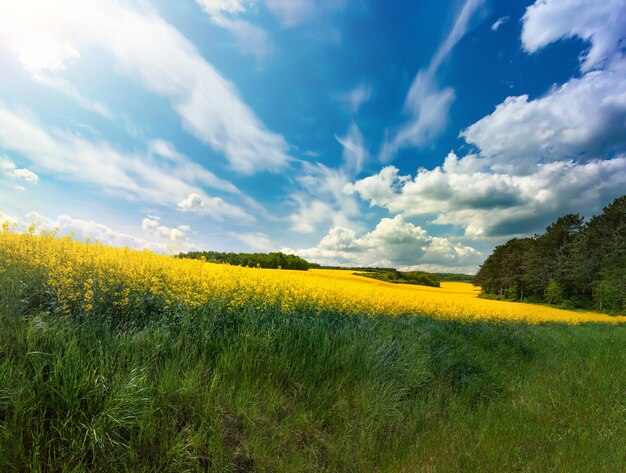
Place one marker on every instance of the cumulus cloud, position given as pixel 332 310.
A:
pixel 601 23
pixel 152 225
pixel 46 36
pixel 94 231
pixel 161 176
pixel 535 160
pixel 582 119
pixel 468 193
pixel 393 242
pixel 10 169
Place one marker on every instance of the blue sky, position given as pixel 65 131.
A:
pixel 407 134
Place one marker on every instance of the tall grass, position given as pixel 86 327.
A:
pixel 268 390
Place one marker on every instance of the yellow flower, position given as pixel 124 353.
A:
pixel 80 277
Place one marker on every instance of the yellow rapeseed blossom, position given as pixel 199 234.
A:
pixel 82 276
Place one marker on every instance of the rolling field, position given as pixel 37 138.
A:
pixel 121 360
pixel 83 278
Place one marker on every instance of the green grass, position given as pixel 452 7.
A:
pixel 215 390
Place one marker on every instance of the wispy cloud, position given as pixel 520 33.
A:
pixel 291 12
pixel 426 103
pixel 249 38
pixel 321 197
pixel 499 22
pixel 214 206
pixel 353 99
pixel 161 175
pixel 46 36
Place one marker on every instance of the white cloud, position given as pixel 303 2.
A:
pixel 249 38
pixel 459 29
pixel 26 174
pixel 310 214
pixel 426 103
pixel 10 169
pixel 322 198
pixel 214 7
pixel 291 12
pixel 214 206
pixel 161 176
pixel 255 241
pixel 89 229
pixel 580 120
pixel 6 218
pixel 353 99
pixel 536 159
pixel 499 22
pixel 152 225
pixel 486 203
pixel 584 118
pixel 354 151
pixel 68 89
pixel 599 22
pixel 428 106
pixel 46 36
pixel 394 242
pixel 165 149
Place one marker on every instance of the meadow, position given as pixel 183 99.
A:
pixel 122 360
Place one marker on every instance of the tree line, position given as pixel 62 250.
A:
pixel 575 264
pixel 420 278
pixel 277 260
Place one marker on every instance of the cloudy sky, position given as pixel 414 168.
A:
pixel 406 134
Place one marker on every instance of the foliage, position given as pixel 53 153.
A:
pixel 252 260
pixel 455 277
pixel 576 263
pixel 404 277
pixel 368 269
pixel 554 293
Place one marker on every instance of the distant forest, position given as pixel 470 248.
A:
pixel 369 269
pixel 455 277
pixel 574 264
pixel 404 277
pixel 253 260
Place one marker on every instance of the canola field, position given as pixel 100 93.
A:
pixel 72 277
